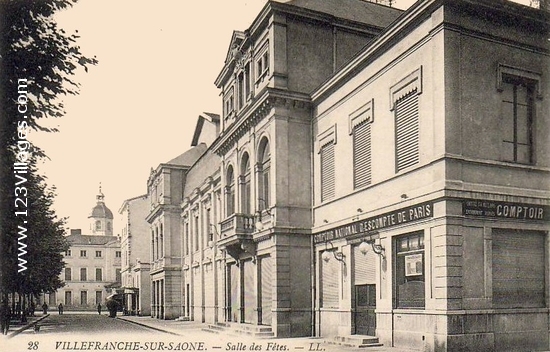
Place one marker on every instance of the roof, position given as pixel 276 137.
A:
pixel 90 240
pixel 355 10
pixel 101 211
pixel 206 166
pixel 214 119
pixel 189 157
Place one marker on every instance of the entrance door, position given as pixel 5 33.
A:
pixel 364 289
pixel 365 304
pixel 249 292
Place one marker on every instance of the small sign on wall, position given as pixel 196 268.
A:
pixel 413 265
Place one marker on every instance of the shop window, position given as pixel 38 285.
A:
pixel 518 268
pixel 409 271
pixel 329 282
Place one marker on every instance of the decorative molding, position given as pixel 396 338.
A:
pixel 412 82
pixel 507 70
pixel 364 113
pixel 326 137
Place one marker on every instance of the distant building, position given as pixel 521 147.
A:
pixel 165 192
pixel 135 246
pixel 92 263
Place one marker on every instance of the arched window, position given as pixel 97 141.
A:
pixel 230 192
pixel 264 180
pixel 98 225
pixel 244 179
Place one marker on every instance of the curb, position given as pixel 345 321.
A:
pixel 25 327
pixel 148 326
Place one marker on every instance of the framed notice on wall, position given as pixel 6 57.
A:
pixel 413 265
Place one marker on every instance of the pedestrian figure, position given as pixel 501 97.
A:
pixel 18 310
pixel 99 308
pixel 44 308
pixel 5 317
pixel 60 308
pixel 32 308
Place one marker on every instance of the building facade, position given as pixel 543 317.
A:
pixel 431 182
pixel 165 192
pixel 135 246
pixel 92 263
pixel 265 151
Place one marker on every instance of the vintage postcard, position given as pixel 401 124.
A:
pixel 269 175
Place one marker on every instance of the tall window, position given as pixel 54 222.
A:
pixel 98 225
pixel 517 119
pixel 68 275
pixel 196 229
pixel 245 185
pixel 230 192
pixel 247 81
pixel 409 271
pixel 207 228
pixel 406 131
pixel 83 274
pixel 161 237
pixel 98 274
pixel 186 239
pixel 118 254
pixel 518 269
pixel 153 245
pixel 327 172
pixel 362 172
pixel 68 298
pixel 98 297
pixel 240 89
pixel 264 183
pixel 118 277
pixel 83 298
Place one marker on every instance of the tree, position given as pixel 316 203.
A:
pixel 37 63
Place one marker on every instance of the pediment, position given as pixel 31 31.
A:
pixel 234 45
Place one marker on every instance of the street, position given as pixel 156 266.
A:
pixel 85 323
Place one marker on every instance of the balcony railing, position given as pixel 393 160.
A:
pixel 237 225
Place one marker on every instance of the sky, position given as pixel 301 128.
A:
pixel 138 107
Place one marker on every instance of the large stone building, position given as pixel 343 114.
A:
pixel 431 182
pixel 391 180
pixel 92 263
pixel 135 247
pixel 165 192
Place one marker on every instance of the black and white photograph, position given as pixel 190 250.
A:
pixel 275 175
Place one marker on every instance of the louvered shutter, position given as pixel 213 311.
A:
pixel 197 294
pixel 249 291
pixel 266 276
pixel 208 286
pixel 406 131
pixel 518 269
pixel 329 284
pixel 327 172
pixel 365 267
pixel 362 154
pixel 235 302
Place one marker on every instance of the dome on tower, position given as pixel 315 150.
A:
pixel 100 210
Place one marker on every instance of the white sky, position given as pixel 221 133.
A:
pixel 138 107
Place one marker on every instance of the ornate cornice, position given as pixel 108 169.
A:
pixel 270 98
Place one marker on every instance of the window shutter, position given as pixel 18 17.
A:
pixel 362 155
pixel 406 131
pixel 518 269
pixel 365 267
pixel 329 284
pixel 327 172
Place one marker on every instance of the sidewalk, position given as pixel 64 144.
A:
pixel 17 327
pixel 194 329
